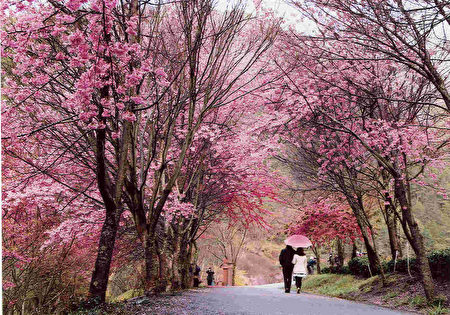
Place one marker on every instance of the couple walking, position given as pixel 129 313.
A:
pixel 294 263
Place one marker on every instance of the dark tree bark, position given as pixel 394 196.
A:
pixel 415 238
pixel 185 259
pixel 390 217
pixel 151 272
pixel 316 251
pixel 354 250
pixel 391 223
pixel 340 252
pixel 100 275
pixel 364 225
pixel 99 280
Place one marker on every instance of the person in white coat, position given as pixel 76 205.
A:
pixel 300 267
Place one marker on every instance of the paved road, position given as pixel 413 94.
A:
pixel 269 299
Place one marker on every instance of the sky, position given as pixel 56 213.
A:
pixel 281 8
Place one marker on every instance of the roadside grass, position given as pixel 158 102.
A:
pixel 438 306
pixel 127 295
pixel 334 285
pixel 396 294
pixel 438 310
pixel 390 295
pixel 418 301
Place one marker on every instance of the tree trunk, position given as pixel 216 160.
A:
pixel 371 255
pixel 182 256
pixel 416 240
pixel 233 278
pixel 176 277
pixel 389 217
pixel 316 251
pixel 186 253
pixel 354 250
pixel 100 275
pixel 340 253
pixel 380 266
pixel 99 280
pixel 151 273
pixel 163 271
pixel 394 243
pixel 361 219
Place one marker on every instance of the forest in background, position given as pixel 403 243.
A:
pixel 258 263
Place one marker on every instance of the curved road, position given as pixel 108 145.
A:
pixel 267 299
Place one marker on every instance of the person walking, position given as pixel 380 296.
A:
pixel 286 256
pixel 210 276
pixel 300 267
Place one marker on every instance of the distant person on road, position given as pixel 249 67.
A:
pixel 300 267
pixel 286 256
pixel 210 277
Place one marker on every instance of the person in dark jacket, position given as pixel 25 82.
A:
pixel 210 277
pixel 311 263
pixel 286 256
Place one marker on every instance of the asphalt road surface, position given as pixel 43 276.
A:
pixel 268 299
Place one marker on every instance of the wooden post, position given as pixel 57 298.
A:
pixel 225 276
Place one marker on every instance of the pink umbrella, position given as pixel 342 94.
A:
pixel 298 241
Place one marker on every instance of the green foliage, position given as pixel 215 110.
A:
pixel 440 300
pixel 439 264
pixel 325 270
pixel 417 301
pixel 344 270
pixel 402 265
pixel 359 266
pixel 240 277
pixel 437 307
pixel 128 295
pixel 437 310
pixel 428 238
pixel 391 295
pixel 332 284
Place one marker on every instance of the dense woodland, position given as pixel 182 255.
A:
pixel 139 137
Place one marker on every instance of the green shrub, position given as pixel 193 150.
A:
pixel 358 266
pixel 325 270
pixel 402 265
pixel 417 301
pixel 345 270
pixel 335 270
pixel 439 264
pixel 438 310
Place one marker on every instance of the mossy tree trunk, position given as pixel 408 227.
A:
pixel 316 250
pixel 415 238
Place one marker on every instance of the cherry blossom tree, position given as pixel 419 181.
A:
pixel 325 220
pixel 120 89
pixel 412 34
pixel 49 236
pixel 361 115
